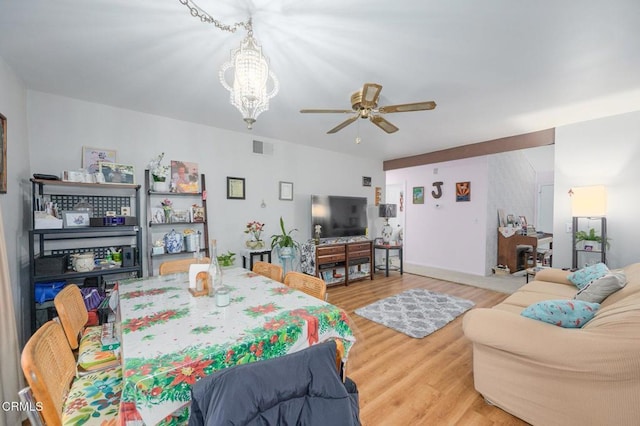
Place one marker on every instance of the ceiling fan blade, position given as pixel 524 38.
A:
pixel 416 106
pixel 322 111
pixel 383 124
pixel 344 124
pixel 370 94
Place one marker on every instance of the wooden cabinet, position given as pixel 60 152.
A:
pixel 341 263
pixel 517 251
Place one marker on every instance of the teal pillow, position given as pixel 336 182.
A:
pixel 563 313
pixel 584 276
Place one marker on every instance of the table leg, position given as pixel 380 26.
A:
pixel 244 262
pixel 400 251
pixel 387 262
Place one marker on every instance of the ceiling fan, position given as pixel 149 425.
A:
pixel 365 105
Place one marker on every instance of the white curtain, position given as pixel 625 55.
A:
pixel 10 369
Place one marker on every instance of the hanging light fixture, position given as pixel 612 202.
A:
pixel 253 83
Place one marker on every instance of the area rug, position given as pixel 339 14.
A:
pixel 416 312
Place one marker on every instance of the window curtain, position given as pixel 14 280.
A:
pixel 10 369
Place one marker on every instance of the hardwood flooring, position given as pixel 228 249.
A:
pixel 407 381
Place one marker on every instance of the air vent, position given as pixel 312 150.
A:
pixel 260 147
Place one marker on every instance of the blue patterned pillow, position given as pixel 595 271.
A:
pixel 563 313
pixel 584 276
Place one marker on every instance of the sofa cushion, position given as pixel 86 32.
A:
pixel 563 313
pixel 598 290
pixel 584 276
pixel 94 399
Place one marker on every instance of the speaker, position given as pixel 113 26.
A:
pixel 128 256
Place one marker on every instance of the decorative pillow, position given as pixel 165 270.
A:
pixel 598 290
pixel 584 276
pixel 563 313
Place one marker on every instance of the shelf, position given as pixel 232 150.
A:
pixel 151 224
pixel 95 273
pixel 173 194
pixel 89 230
pixel 84 184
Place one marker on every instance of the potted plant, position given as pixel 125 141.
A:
pixel 590 238
pixel 284 241
pixel 159 173
pixel 226 259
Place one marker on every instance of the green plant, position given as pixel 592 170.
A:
pixel 283 239
pixel 590 236
pixel 226 259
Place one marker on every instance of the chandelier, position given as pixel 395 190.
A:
pixel 250 89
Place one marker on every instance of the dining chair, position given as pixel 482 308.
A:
pixel 311 285
pixel 73 315
pixel 180 265
pixel 298 388
pixel 49 366
pixel 269 270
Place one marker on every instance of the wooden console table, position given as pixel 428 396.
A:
pixel 341 263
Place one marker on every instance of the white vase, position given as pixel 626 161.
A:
pixel 161 186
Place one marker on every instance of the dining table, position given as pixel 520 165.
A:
pixel 170 338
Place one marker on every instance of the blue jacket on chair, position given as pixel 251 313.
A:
pixel 302 388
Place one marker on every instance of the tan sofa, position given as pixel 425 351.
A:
pixel 549 375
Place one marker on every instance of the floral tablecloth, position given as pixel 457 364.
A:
pixel 170 339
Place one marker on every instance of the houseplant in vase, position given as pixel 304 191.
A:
pixel 588 240
pixel 227 259
pixel 254 229
pixel 159 174
pixel 284 242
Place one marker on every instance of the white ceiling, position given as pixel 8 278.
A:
pixel 495 68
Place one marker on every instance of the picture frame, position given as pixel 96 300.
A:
pixel 418 195
pixel 117 173
pixel 463 191
pixel 75 219
pixel 91 158
pixel 3 154
pixel 523 222
pixel 157 215
pixel 366 180
pixel 588 247
pixel 286 191
pixel 197 214
pixel 235 188
pixel 502 218
pixel 511 219
pixel 378 241
pixel 185 177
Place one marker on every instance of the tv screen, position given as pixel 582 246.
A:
pixel 339 216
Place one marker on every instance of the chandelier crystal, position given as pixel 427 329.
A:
pixel 253 83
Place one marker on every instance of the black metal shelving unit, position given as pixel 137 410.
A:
pixel 585 253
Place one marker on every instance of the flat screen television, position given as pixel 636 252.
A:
pixel 339 216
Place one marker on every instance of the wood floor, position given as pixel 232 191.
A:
pixel 407 381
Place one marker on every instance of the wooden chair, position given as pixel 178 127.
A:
pixel 49 367
pixel 311 285
pixel 69 304
pixel 180 265
pixel 268 270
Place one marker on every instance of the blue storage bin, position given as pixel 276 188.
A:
pixel 48 291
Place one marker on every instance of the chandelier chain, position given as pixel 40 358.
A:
pixel 197 12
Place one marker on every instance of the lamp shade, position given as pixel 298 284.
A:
pixel 387 210
pixel 589 201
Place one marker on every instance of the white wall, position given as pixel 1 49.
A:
pixel 16 217
pixel 59 127
pixel 606 152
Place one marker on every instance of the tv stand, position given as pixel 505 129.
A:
pixel 341 263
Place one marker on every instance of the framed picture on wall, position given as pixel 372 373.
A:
pixel 235 188
pixel 463 191
pixel 418 195
pixel 286 191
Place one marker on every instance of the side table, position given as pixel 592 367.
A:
pixel 251 254
pixel 386 267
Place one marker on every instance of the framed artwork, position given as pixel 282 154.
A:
pixel 157 215
pixel 366 180
pixel 91 158
pixel 75 219
pixel 197 213
pixel 3 153
pixel 502 219
pixel 117 173
pixel 511 219
pixel 523 222
pixel 463 191
pixel 286 191
pixel 378 241
pixel 184 176
pixel 418 195
pixel 235 188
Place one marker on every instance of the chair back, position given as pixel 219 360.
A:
pixel 49 367
pixel 180 265
pixel 72 313
pixel 268 270
pixel 311 285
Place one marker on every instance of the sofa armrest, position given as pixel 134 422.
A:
pixel 547 344
pixel 554 275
